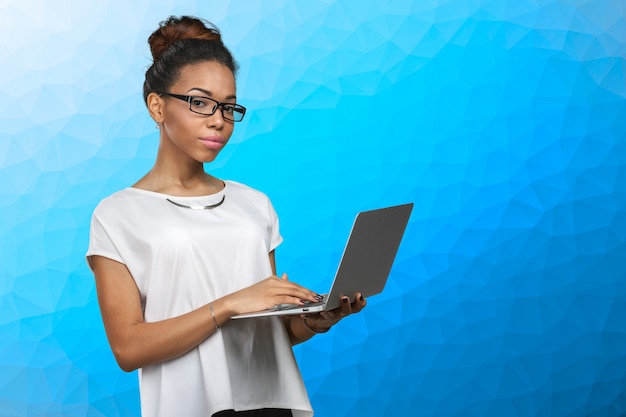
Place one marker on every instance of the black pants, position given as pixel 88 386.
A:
pixel 265 412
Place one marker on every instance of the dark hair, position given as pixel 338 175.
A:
pixel 181 41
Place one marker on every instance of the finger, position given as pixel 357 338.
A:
pixel 359 303
pixel 294 294
pixel 346 308
pixel 284 277
pixel 287 299
pixel 301 293
pixel 292 289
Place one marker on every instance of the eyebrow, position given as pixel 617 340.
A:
pixel 208 93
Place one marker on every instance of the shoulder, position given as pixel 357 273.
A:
pixel 245 191
pixel 114 198
pixel 117 202
pixel 250 199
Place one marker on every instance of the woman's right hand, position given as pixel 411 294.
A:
pixel 270 292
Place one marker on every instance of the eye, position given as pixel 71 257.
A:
pixel 229 108
pixel 199 102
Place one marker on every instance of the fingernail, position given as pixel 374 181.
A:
pixel 361 297
pixel 319 297
pixel 345 299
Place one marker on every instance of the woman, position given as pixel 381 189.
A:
pixel 180 252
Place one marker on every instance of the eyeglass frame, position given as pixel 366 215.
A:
pixel 218 104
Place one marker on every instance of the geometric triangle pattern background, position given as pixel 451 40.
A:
pixel 504 122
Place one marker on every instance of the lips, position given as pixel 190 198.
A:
pixel 212 142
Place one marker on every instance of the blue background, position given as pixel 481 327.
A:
pixel 504 121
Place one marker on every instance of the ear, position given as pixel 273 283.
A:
pixel 155 107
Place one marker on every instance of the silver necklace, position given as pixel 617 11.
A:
pixel 212 206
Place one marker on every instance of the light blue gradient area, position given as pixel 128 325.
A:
pixel 504 121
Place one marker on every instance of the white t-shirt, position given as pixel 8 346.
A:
pixel 182 259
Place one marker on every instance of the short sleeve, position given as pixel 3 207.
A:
pixel 275 236
pixel 100 241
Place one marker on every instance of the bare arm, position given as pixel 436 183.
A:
pixel 136 343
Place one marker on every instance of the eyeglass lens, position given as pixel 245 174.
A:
pixel 206 106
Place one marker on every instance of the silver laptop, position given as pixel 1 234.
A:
pixel 365 264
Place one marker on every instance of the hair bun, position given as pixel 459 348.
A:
pixel 176 29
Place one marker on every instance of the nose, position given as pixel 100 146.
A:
pixel 216 120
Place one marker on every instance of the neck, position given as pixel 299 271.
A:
pixel 177 174
pixel 185 173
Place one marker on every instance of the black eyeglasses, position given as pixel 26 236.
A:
pixel 207 106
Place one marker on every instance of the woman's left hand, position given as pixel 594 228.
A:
pixel 324 320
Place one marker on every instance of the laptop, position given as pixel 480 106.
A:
pixel 365 264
